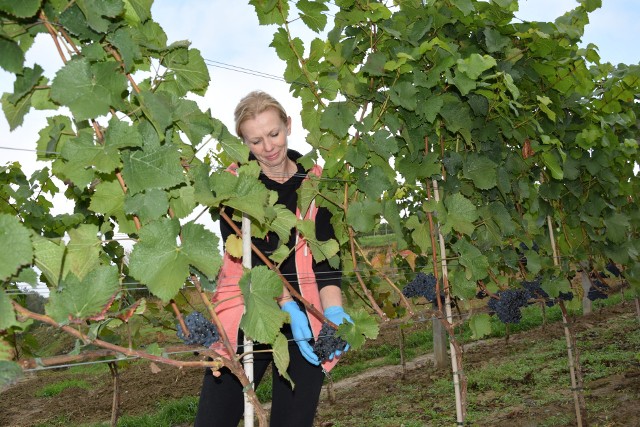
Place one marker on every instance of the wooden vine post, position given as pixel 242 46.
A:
pixel 572 350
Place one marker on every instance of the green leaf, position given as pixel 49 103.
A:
pixel 25 81
pixel 375 64
pixel 460 214
pixel 83 251
pixel 170 269
pixel 89 90
pixel 148 206
pixel 14 113
pixel 7 315
pixel 15 239
pixel 20 9
pixel 243 192
pixel 312 14
pixel 481 170
pixel 554 286
pixel 321 250
pixel 474 65
pixel 403 94
pixel 480 325
pixel 158 107
pixel 109 199
pixel 182 201
pixel 552 162
pixel 284 221
pixel 262 318
pixel 364 326
pixel 137 11
pixel 49 257
pixel 280 349
pixel 362 215
pixel 618 227
pixel 77 299
pixel 152 167
pixel 191 75
pixel 96 12
pixel 373 182
pixel 475 263
pixel 338 117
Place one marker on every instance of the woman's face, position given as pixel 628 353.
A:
pixel 266 135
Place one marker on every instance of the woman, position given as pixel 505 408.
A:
pixel 263 124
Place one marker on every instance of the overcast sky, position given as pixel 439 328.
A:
pixel 228 32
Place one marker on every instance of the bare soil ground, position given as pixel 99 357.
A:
pixel 611 401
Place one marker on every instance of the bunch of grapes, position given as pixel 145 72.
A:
pixel 598 290
pixel 613 269
pixel 508 306
pixel 535 291
pixel 566 296
pixel 201 330
pixel 328 342
pixel 421 285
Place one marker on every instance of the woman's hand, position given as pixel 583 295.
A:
pixel 301 331
pixel 337 315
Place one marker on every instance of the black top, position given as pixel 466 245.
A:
pixel 288 196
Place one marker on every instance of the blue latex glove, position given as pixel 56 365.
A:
pixel 337 315
pixel 301 331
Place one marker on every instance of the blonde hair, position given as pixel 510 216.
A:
pixel 253 104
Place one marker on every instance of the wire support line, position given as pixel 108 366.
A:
pixel 31 150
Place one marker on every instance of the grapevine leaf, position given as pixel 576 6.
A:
pixel 25 81
pixel 148 206
pixel 362 215
pixel 96 12
pixel 13 235
pixel 338 117
pixel 420 234
pixel 7 315
pixel 480 325
pixel 89 90
pixel 191 75
pixel 460 214
pixel 475 65
pixel 482 171
pixel 284 221
pixel 321 250
pixel 268 13
pixel 280 348
pixel 182 201
pixel 364 326
pixel 152 167
pixel 109 199
pixel 83 251
pixel 11 56
pixel 617 227
pixel 14 113
pixel 167 274
pixel 137 11
pixel 158 107
pixel 554 286
pixel 373 182
pixel 49 256
pixel 243 192
pixel 312 14
pixel 475 263
pixel 77 299
pixel 262 318
pixel 194 123
pixel 404 95
pixel 20 9
pixel 233 246
pixel 552 162
pixel 123 40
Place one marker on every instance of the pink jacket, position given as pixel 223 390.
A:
pixel 229 297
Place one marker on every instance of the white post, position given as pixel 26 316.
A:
pixel 248 344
